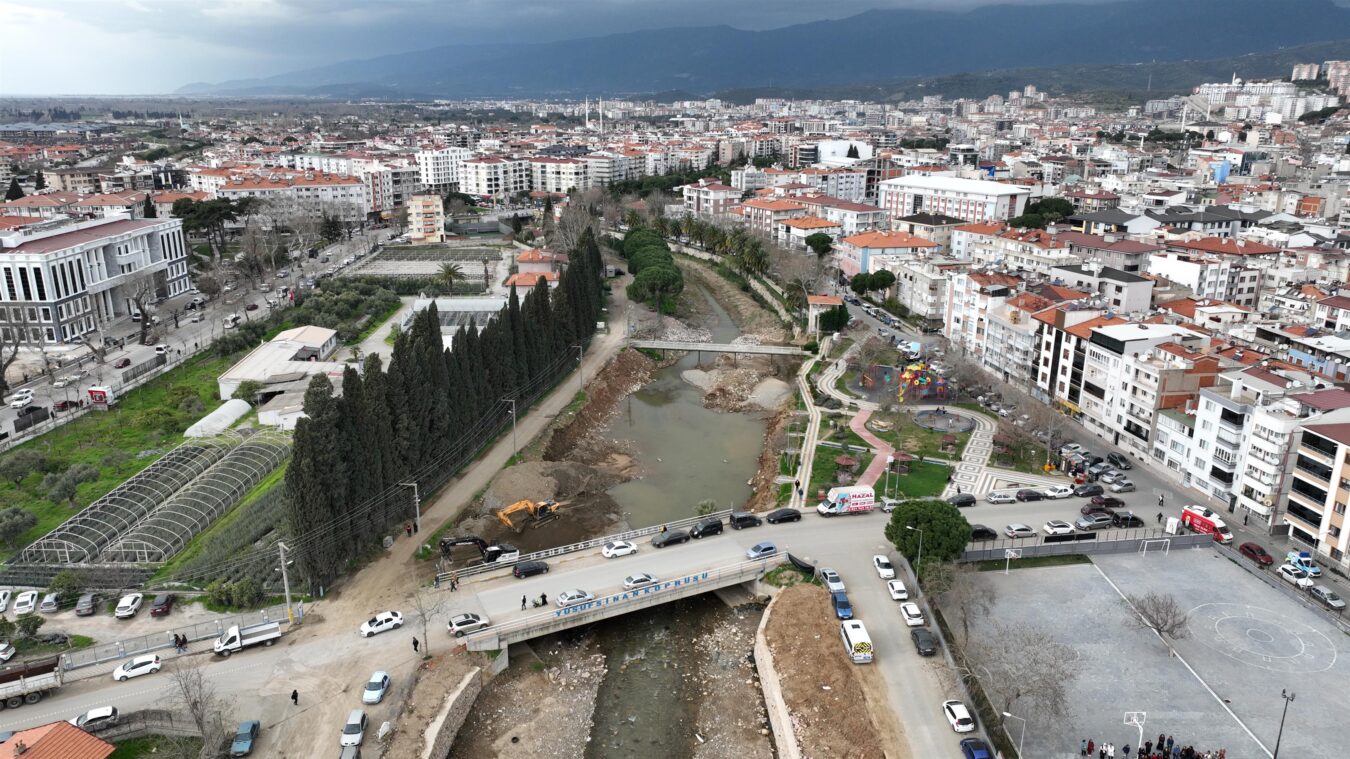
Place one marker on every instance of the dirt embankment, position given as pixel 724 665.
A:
pixel 764 496
pixel 585 509
pixel 435 678
pixel 752 318
pixel 731 721
pixel 579 439
pixel 822 688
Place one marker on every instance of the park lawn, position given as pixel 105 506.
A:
pixel 824 470
pixel 926 479
pixel 1028 459
pixel 909 437
pixel 842 383
pixel 843 434
pixel 977 408
pixel 144 420
pixel 151 746
pixel 841 346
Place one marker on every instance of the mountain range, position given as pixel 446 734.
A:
pixel 873 46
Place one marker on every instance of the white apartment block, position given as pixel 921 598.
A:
pixel 347 198
pixel 921 285
pixel 845 184
pixel 1319 486
pixel 970 199
pixel 1207 277
pixel 495 177
pixel 971 296
pixel 1120 291
pixel 558 175
pixel 440 169
pixel 61 280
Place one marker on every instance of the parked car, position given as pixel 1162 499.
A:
pixel 616 548
pixel 98 718
pixel 1119 461
pixel 741 520
pixel 463 624
pixel 924 642
pixel 1027 494
pixel 162 605
pixel 141 665
pixel 1058 527
pixel 962 500
pixel 25 602
pixel 842 608
pixel 1294 576
pixel 1058 491
pixel 1090 508
pixel 1001 496
pixel 7 651
pixel 958 716
pixel 897 590
pixel 1112 476
pixel 129 605
pixel 64 405
pixel 1106 501
pixel 1122 486
pixel 1099 468
pixel 1257 554
pixel 888 505
pixel 375 688
pixel 761 551
pixel 1093 522
pixel 87 605
pixel 982 532
pixel 783 515
pixel 529 569
pixel 1304 560
pixel 1327 597
pixel 1019 530
pixel 1126 519
pixel 1088 490
pixel 122 363
pixel 912 614
pixel 4 600
pixel 382 622
pixel 242 745
pixel 833 582
pixel 670 538
pixel 354 731
pixel 974 748
pixel 884 568
pixel 639 580
pixel 51 603
pixel 21 398
pixel 709 526
pixel 573 597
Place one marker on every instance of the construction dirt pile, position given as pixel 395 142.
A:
pixel 740 385
pixel 540 707
pixel 732 723
pixel 821 687
pixel 585 510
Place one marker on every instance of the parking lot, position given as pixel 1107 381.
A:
pixel 1247 642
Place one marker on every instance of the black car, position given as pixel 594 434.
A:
pixel 743 519
pixel 529 569
pixel 982 532
pixel 1119 461
pixel 712 526
pixel 1027 494
pixel 1126 519
pixel 1088 490
pixel 961 500
pixel 924 642
pixel 670 538
pixel 783 515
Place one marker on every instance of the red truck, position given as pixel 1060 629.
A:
pixel 1202 520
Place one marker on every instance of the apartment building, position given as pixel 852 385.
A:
pixel 921 286
pixel 1064 337
pixel 1319 486
pixel 558 175
pixel 852 218
pixel 842 183
pixel 1333 313
pixel 764 215
pixel 1111 249
pixel 792 233
pixel 971 296
pixel 930 226
pixel 1011 339
pixel 426 219
pixel 872 251
pixel 1207 277
pixel 709 198
pixel 973 200
pixel 1120 291
pixel 347 198
pixel 495 177
pixel 1036 251
pixel 64 279
pixel 440 169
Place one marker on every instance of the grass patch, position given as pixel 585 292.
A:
pixel 149 418
pixel 651 353
pixel 907 436
pixel 841 347
pixel 31 647
pixel 787 575
pixel 977 408
pixel 1032 562
pixel 153 745
pixel 392 337
pixel 926 479
pixel 825 473
pixel 1028 459
pixel 844 434
pixel 376 321
pixel 842 383
pixel 578 401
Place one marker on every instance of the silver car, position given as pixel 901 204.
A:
pixel 1122 486
pixel 1093 522
pixel 1001 496
pixel 1327 597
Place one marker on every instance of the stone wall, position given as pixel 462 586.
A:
pixel 779 718
pixel 440 733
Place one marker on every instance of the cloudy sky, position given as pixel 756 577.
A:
pixel 155 46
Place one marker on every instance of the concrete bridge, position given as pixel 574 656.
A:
pixel 744 348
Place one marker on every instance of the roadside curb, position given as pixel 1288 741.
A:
pixel 784 739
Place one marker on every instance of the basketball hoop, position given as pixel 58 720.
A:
pixel 1136 719
pixel 1008 555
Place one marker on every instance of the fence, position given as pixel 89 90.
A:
pixel 145 367
pixel 213 628
pixel 31 419
pixel 150 722
pixel 582 546
pixel 1268 577
pixel 1106 541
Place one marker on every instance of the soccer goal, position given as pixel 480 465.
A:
pixel 1158 544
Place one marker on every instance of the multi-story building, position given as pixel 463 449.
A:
pixel 1112 250
pixel 1333 313
pixel 1121 292
pixel 440 169
pixel 852 218
pixel 1207 277
pixel 1065 336
pixel 971 296
pixel 426 219
pixel 1319 486
pixel 61 280
pixel 872 251
pixel 970 199
pixel 929 226
pixel 921 286
pixel 347 198
pixel 764 215
pixel 495 177
pixel 708 197
pixel 1011 344
pixel 793 232
pixel 558 175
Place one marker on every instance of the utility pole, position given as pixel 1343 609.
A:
pixel 285 581
pixel 581 371
pixel 514 444
pixel 417 504
pixel 1288 697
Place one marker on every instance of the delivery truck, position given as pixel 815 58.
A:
pixel 856 499
pixel 239 638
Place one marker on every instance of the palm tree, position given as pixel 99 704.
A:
pixel 795 293
pixel 449 275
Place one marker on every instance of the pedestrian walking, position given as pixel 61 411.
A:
pixel 295 697
pixel 415 645
pixel 1101 751
pixel 436 582
pixel 1159 517
pixel 408 529
pixel 1090 747
pixel 1244 519
pixel 522 603
pixel 1082 747
pixel 1160 500
pixel 1169 743
pixel 454 583
pixel 1126 752
pixel 1148 747
pixel 1110 751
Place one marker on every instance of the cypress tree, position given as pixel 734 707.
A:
pixel 379 441
pixel 316 482
pixel 519 362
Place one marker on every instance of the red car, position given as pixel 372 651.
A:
pixel 65 405
pixel 1256 553
pixel 162 605
pixel 122 363
pixel 1106 501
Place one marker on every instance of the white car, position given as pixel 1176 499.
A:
pixel 1001 496
pixel 25 602
pixel 1058 527
pixel 573 597
pixel 1294 576
pixel 1058 491
pixel 1019 530
pixel 958 716
pixel 129 605
pixel 95 719
pixel 1068 448
pixel 883 566
pixel 912 614
pixel 141 665
pixel 354 731
pixel 888 504
pixel 639 580
pixel 7 651
pixel 833 582
pixel 617 548
pixel 1111 477
pixel 385 620
pixel 4 600
pixel 21 398
pixel 897 590
pixel 462 624
pixel 376 687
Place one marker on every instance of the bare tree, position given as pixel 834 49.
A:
pixel 427 603
pixel 1026 671
pixel 575 220
pixel 1163 615
pixel 963 598
pixel 191 691
pixel 1045 420
pixel 10 342
pixel 139 291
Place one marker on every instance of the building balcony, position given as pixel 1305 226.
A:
pixel 1224 463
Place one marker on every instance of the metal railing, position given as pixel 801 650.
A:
pixel 150 722
pixel 621 602
pixel 1105 541
pixel 582 546
pixel 1268 577
pixel 208 629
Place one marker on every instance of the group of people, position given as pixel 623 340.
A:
pixel 180 643
pixel 1164 748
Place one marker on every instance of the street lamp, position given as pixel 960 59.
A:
pixel 1288 697
pixel 1021 734
pixel 890 460
pixel 581 370
pixel 417 504
pixel 514 444
pixel 915 566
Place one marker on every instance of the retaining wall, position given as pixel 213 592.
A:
pixel 440 734
pixel 785 740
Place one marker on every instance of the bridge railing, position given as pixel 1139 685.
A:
pixel 582 546
pixel 621 602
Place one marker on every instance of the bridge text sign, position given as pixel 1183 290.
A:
pixel 626 595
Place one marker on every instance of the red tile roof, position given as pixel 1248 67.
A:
pixel 56 740
pixel 824 300
pixel 1226 246
pixel 888 240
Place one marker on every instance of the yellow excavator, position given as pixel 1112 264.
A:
pixel 540 512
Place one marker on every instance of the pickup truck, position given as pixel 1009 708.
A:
pixel 238 638
pixel 27 683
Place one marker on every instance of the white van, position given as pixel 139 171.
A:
pixel 856 643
